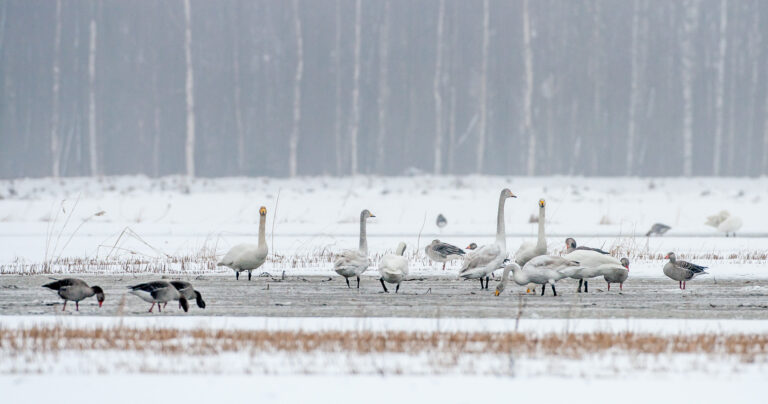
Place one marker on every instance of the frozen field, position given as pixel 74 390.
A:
pixel 296 323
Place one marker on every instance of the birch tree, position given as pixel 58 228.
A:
pixel 337 119
pixel 190 93
pixel 383 96
pixel 55 152
pixel 528 91
pixel 634 95
pixel 294 139
pixel 92 145
pixel 355 94
pixel 436 88
pixel 239 126
pixel 689 27
pixel 720 87
pixel 480 151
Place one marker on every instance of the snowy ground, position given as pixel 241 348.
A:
pixel 118 231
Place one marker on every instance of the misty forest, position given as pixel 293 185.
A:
pixel 390 87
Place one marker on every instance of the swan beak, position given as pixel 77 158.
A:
pixel 372 215
pixel 496 293
pixel 528 290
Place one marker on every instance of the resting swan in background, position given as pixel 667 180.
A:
pixel 528 249
pixel 593 264
pixel 350 263
pixel 541 270
pixel 725 223
pixel 247 257
pixel 478 264
pixel 393 268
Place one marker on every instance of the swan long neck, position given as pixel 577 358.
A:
pixel 505 275
pixel 262 230
pixel 363 236
pixel 542 241
pixel 500 231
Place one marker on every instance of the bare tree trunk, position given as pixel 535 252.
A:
pixel 452 114
pixel 634 95
pixel 480 157
pixel 190 92
pixel 355 94
pixel 92 146
pixel 237 91
pixel 338 118
pixel 383 87
pixel 720 87
pixel 436 88
pixel 294 139
pixel 55 152
pixel 690 25
pixel 753 43
pixel 528 91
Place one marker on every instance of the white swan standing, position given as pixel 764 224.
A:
pixel 725 223
pixel 541 270
pixel 349 263
pixel 393 268
pixel 247 257
pixel 529 249
pixel 479 263
pixel 593 264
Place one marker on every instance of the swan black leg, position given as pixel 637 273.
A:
pixel 237 275
pixel 553 289
pixel 358 282
pixel 481 283
pixel 586 286
pixel 580 282
pixel 543 288
pixel 347 279
pixel 249 275
pixel 383 285
pixel 487 280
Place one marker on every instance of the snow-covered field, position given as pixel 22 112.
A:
pixel 128 226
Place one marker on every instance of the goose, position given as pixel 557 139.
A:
pixel 479 263
pixel 529 249
pixel 682 271
pixel 725 223
pixel 393 268
pixel 471 246
pixel 158 292
pixel 350 263
pixel 247 257
pixel 617 275
pixel 657 229
pixel 593 264
pixel 75 290
pixel 541 270
pixel 188 291
pixel 570 246
pixel 442 252
pixel 441 221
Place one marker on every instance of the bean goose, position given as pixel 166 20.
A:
pixel 541 270
pixel 442 252
pixel 247 257
pixel 478 264
pixel 73 289
pixel 393 268
pixel 681 271
pixel 351 263
pixel 158 292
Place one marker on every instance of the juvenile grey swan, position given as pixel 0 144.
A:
pixel 529 249
pixel 682 271
pixel 247 257
pixel 593 264
pixel 541 270
pixel 618 275
pixel 349 263
pixel 188 291
pixel 393 268
pixel 73 289
pixel 158 292
pixel 478 264
pixel 442 252
pixel 570 246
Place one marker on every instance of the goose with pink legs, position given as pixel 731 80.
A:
pixel 682 271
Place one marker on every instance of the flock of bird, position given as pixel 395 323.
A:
pixel 531 266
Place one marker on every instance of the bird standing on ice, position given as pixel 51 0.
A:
pixel 393 268
pixel 725 223
pixel 247 257
pixel 349 263
pixel 442 252
pixel 682 271
pixel 529 250
pixel 75 290
pixel 158 292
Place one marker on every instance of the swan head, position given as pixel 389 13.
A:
pixel 625 263
pixel 671 257
pixel 499 289
pixel 506 193
pixel 263 211
pixel 365 214
pixel 570 243
pixel 542 203
pixel 472 246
